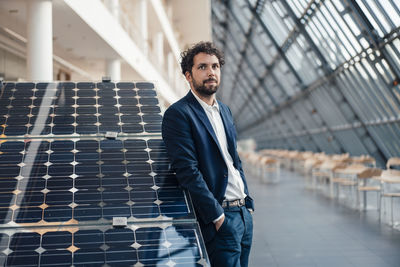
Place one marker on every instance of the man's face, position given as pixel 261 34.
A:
pixel 205 76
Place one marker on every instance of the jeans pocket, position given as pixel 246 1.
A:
pixel 223 225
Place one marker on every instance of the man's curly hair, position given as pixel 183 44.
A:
pixel 201 47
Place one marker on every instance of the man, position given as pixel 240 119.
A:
pixel 200 138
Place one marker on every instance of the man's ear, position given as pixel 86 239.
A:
pixel 188 76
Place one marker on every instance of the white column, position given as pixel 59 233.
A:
pixel 180 83
pixel 40 40
pixel 113 69
pixel 169 10
pixel 144 25
pixel 170 66
pixel 158 46
pixel 113 5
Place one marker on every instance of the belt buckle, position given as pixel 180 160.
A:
pixel 236 203
pixel 233 203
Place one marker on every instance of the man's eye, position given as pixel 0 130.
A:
pixel 202 67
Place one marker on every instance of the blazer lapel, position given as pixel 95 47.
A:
pixel 228 132
pixel 201 114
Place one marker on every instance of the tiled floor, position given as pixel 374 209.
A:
pixel 298 227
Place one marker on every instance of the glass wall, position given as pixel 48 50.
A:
pixel 313 75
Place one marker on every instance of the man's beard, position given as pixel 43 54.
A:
pixel 205 90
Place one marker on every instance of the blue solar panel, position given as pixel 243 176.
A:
pixel 88 180
pixel 168 244
pixel 62 182
pixel 47 109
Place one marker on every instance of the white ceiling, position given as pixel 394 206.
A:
pixel 76 42
pixel 73 38
pixel 192 19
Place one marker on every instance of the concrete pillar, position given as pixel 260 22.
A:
pixel 113 69
pixel 158 46
pixel 144 25
pixel 40 40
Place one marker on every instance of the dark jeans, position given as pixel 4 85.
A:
pixel 231 245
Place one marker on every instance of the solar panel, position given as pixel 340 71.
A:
pixel 166 244
pixel 62 181
pixel 49 109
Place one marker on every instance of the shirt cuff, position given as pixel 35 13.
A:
pixel 216 220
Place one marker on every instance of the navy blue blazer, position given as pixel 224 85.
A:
pixel 197 160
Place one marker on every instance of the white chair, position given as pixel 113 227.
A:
pixel 390 184
pixel 390 188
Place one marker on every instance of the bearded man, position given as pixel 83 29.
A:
pixel 200 137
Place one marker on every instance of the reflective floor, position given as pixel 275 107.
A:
pixel 295 226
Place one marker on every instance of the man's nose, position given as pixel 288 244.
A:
pixel 211 72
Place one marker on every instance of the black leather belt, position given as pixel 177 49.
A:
pixel 233 203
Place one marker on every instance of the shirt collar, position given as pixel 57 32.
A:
pixel 204 104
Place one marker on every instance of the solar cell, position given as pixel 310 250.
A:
pixel 59 172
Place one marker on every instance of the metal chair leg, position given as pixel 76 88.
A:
pixel 391 214
pixel 357 196
pixel 380 207
pixel 378 203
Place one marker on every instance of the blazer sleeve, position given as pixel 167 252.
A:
pixel 177 136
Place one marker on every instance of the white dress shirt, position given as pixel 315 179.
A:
pixel 235 187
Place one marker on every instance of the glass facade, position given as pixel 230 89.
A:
pixel 311 74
